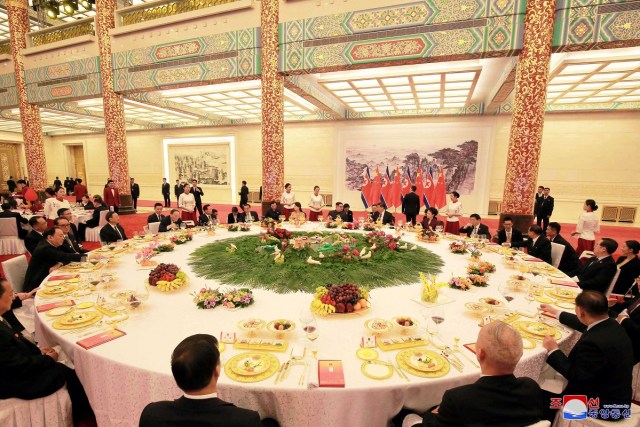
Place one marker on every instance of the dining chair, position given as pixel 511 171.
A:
pixel 10 243
pixel 556 253
pixel 53 410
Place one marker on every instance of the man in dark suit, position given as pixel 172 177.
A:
pixel 170 222
pixel 569 261
pixel 67 185
pixel 112 231
pixel 475 227
pixel 600 363
pixel 111 196
pixel 166 192
pixel 69 245
pixel 347 213
pixel 94 221
pixel 73 230
pixel 411 206
pixel 248 213
pixel 338 212
pixel 6 213
pixel 232 218
pixel 381 214
pixel 87 204
pixel 38 225
pixel 57 183
pixel 244 194
pixel 178 189
pixel 156 216
pixel 539 195
pixel 627 313
pixel 135 192
pixel 508 234
pixel 537 245
pixel 207 216
pixel 544 209
pixel 598 273
pixel 498 398
pixel 195 364
pixel 273 212
pixel 46 258
pixel 11 184
pixel 197 194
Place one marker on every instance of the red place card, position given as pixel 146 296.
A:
pixel 47 307
pixel 62 277
pixel 569 283
pixel 330 373
pixel 471 347
pixel 101 338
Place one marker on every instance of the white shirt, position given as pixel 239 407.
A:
pixel 316 203
pixel 588 225
pixel 454 208
pixel 187 202
pixel 201 397
pixel 51 206
pixel 288 199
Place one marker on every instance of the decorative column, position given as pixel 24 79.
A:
pixel 114 124
pixel 527 121
pixel 29 114
pixel 272 106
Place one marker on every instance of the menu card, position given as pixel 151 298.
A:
pixel 101 338
pixel 62 277
pixel 471 347
pixel 330 373
pixel 47 307
pixel 569 283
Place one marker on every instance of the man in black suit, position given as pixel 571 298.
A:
pixel 598 273
pixel 197 194
pixel 273 212
pixel 232 218
pixel 170 222
pixel 544 209
pixel 195 364
pixel 156 216
pixel 38 225
pixel 537 245
pixel 86 203
pixel 244 194
pixel 6 213
pixel 338 212
pixel 600 363
pixel 207 216
pixel 347 213
pixel 248 215
pixel 381 214
pixel 112 231
pixel 475 227
pixel 508 234
pixel 498 398
pixel 73 233
pixel 539 195
pixel 69 245
pixel 569 261
pixel 57 183
pixel 627 313
pixel 178 189
pixel 47 257
pixel 11 184
pixel 99 206
pixel 29 372
pixel 135 192
pixel 411 206
pixel 166 192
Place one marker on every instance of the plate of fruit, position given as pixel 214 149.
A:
pixel 405 323
pixel 167 277
pixel 340 299
pixel 491 302
pixel 281 326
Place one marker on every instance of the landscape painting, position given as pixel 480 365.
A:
pixel 209 164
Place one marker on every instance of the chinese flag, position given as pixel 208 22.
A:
pixel 419 185
pixel 385 191
pixel 440 192
pixel 376 187
pixel 395 195
pixel 429 186
pixel 365 191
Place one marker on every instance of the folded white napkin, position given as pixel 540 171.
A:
pixel 312 375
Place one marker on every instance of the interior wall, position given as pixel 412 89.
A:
pixel 586 155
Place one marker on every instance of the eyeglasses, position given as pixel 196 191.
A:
pixel 64 225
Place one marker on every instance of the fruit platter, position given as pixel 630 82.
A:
pixel 167 277
pixel 339 299
pixel 405 323
pixel 281 326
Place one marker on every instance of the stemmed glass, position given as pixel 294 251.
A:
pixel 282 218
pixel 530 295
pixel 311 333
pixel 506 292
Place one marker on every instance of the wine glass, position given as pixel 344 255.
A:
pixel 320 218
pixel 282 218
pixel 505 291
pixel 429 327
pixel 438 228
pixel 306 316
pixel 312 334
pixel 94 280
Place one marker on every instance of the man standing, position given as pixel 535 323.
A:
pixel 166 192
pixel 411 206
pixel 11 184
pixel 598 273
pixel 539 195
pixel 508 234
pixel 178 189
pixel 156 216
pixel 111 196
pixel 135 193
pixel 67 185
pixel 475 227
pixel 57 183
pixel 600 363
pixel 537 246
pixel 38 225
pixel 244 194
pixel 197 194
pixel 569 261
pixel 112 231
pixel 545 209
pixel 79 190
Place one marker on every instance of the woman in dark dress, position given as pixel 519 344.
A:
pixel 629 266
pixel 430 219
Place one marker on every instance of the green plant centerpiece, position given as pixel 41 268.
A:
pixel 285 261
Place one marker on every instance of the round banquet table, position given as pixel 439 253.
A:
pixel 123 375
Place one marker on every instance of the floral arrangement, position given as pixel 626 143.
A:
pixel 343 298
pixel 269 222
pixel 144 257
pixel 461 283
pixel 487 266
pixel 182 238
pixel 166 247
pixel 233 298
pixel 167 277
pixel 475 253
pixel 430 287
pixel 239 226
pixel 339 245
pixel 478 280
pixel 369 226
pixel 428 235
pixel 279 233
pixel 480 268
pixel 458 247
pixel 379 239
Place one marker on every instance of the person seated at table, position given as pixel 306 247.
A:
pixel 508 234
pixel 208 216
pixel 7 213
pixel 273 212
pixel 601 362
pixel 297 215
pixel 248 215
pixel 336 213
pixel 599 271
pixel 195 364
pixel 112 231
pixel 47 257
pixel 86 203
pixel 171 222
pixel 475 227
pixel 627 313
pixel 232 218
pixel 29 196
pixel 498 398
pixel 38 225
pixel 31 372
pixel 73 234
pixel 430 219
pixel 69 245
pixel 99 206
pixel 629 265
pixel 537 245
pixel 156 216
pixel 381 214
pixel 569 261
pixel 347 213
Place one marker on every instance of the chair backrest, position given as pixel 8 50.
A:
pixel 103 219
pixel 613 282
pixel 556 253
pixel 14 270
pixel 154 227
pixel 8 227
pixel 543 423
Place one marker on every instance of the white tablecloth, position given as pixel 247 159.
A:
pixel 80 216
pixel 124 375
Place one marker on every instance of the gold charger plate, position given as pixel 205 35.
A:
pixel 59 311
pixel 565 294
pixel 251 364
pixel 57 291
pixel 273 367
pixel 545 300
pixel 424 361
pixel 84 305
pixel 564 304
pixel 72 266
pixel 77 320
pixel 556 275
pixel 528 344
pixel 535 328
pixel 401 359
pixel 366 353
pixel 376 370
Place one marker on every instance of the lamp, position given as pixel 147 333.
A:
pixel 87 4
pixel 52 8
pixel 69 7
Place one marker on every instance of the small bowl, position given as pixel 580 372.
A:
pixel 476 307
pixel 378 326
pixel 405 323
pixel 281 326
pixel 491 302
pixel 251 325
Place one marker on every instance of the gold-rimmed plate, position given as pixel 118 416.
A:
pixel 402 356
pixel 535 328
pixel 250 364
pixel 423 360
pixel 565 294
pixel 56 291
pixel 491 302
pixel 378 326
pixel 84 305
pixel 75 320
pixel 377 370
pixel 231 366
pixel 366 353
pixel 59 311
pixel 528 344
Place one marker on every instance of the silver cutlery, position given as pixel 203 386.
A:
pixel 451 361
pixel 456 348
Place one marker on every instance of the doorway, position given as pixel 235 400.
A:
pixel 77 167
